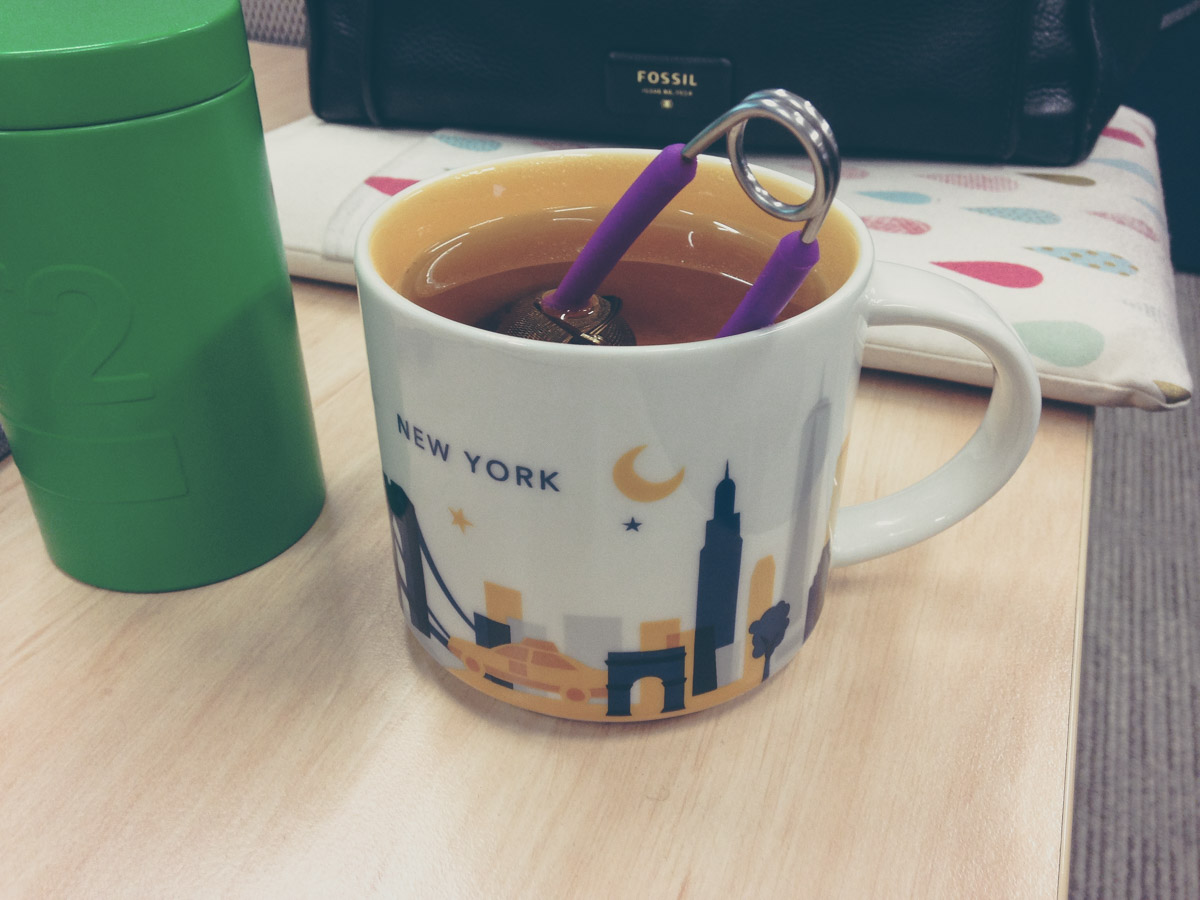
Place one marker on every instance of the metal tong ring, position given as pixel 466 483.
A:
pixel 799 117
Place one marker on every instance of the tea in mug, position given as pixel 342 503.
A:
pixel 680 281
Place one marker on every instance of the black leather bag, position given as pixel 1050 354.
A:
pixel 1029 81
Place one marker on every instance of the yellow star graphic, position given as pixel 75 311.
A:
pixel 460 520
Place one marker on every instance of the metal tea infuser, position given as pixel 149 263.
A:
pixel 574 313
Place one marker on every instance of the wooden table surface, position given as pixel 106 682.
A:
pixel 280 734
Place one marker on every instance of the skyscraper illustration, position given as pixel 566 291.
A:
pixel 717 588
pixel 814 445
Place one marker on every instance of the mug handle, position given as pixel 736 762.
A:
pixel 993 453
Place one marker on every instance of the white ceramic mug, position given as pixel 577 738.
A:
pixel 626 533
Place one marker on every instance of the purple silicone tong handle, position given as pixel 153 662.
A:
pixel 668 174
pixel 780 278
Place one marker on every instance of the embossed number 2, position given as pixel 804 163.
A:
pixel 76 378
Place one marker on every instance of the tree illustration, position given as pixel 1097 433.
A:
pixel 768 632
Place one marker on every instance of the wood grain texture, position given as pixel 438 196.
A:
pixel 280 734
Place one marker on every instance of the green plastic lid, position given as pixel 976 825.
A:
pixel 85 62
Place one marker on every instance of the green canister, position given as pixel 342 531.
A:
pixel 151 382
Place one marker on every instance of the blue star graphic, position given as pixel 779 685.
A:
pixel 632 525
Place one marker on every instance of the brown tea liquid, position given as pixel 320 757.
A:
pixel 680 282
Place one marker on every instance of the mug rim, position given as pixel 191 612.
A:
pixel 368 279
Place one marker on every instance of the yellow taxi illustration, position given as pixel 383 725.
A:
pixel 534 664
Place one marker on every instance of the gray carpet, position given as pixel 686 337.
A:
pixel 1137 787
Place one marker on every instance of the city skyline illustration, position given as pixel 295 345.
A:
pixel 672 670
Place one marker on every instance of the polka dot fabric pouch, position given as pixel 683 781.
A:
pixel 1076 259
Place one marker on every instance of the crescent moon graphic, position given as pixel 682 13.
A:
pixel 635 487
